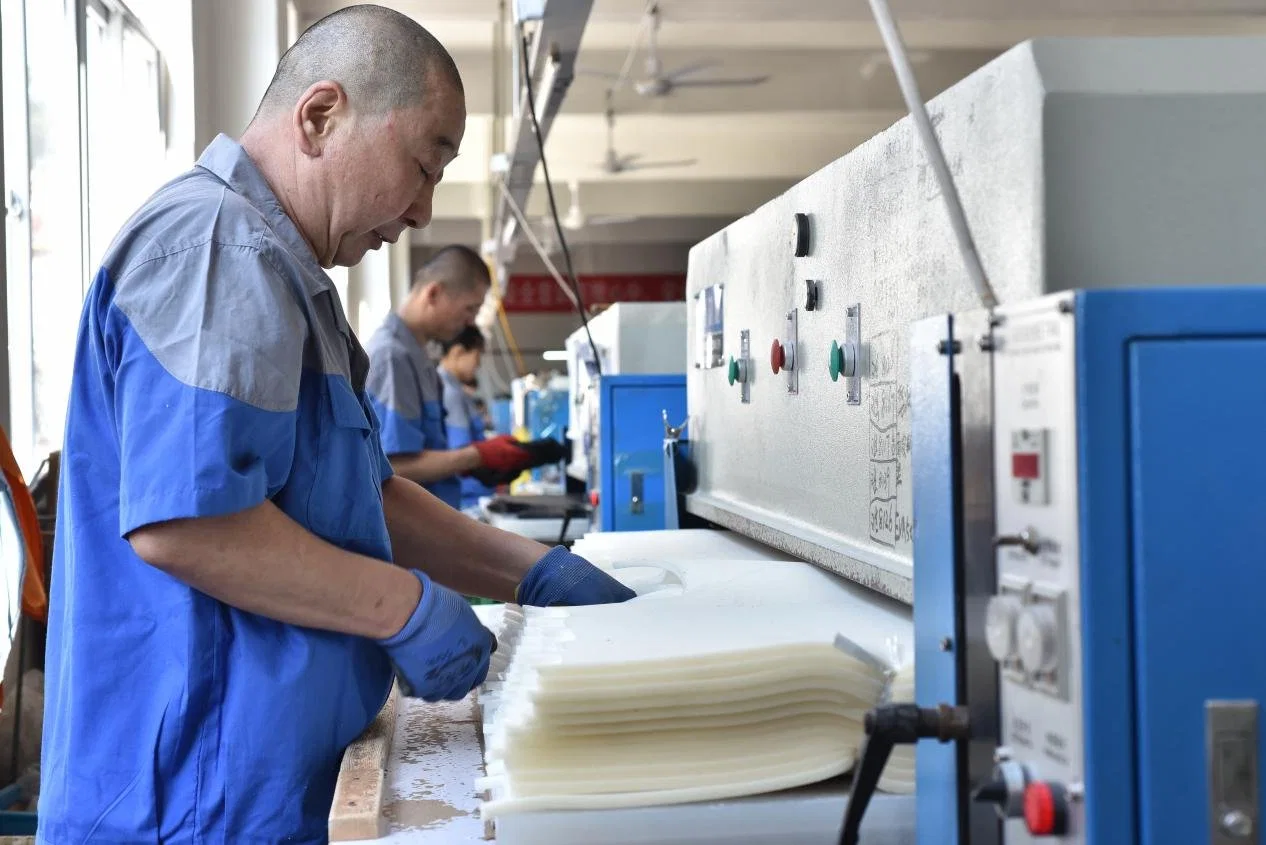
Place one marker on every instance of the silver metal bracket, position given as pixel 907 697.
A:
pixel 745 358
pixel 791 349
pixel 853 338
pixel 1231 755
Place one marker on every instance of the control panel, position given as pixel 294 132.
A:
pixel 1032 621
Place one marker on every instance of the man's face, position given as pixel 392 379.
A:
pixel 465 364
pixel 449 312
pixel 384 169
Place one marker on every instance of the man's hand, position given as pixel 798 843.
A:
pixel 442 651
pixel 502 454
pixel 505 457
pixel 561 578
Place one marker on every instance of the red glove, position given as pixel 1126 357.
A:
pixel 503 454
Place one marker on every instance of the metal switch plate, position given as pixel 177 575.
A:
pixel 1231 754
pixel 853 335
pixel 745 355
pixel 792 346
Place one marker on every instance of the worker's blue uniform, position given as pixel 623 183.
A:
pixel 463 425
pixel 214 370
pixel 404 388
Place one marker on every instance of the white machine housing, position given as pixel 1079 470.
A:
pixel 1082 163
pixel 632 338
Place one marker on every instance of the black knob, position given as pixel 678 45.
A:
pixel 801 235
pixel 810 295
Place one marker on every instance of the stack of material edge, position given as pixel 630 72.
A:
pixel 721 680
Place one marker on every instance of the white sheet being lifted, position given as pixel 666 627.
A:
pixel 720 680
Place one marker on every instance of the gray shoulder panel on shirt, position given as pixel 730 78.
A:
pixel 219 317
pixel 222 301
pixel 393 379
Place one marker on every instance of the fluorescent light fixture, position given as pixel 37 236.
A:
pixel 554 355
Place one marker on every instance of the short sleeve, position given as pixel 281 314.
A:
pixel 206 347
pixel 396 398
pixel 456 418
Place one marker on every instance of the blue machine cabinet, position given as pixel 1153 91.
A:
pixel 631 472
pixel 1108 633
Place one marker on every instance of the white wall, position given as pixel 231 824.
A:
pixel 236 46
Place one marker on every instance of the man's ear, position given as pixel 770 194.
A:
pixel 431 293
pixel 317 113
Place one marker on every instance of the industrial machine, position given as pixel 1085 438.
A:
pixel 1065 487
pixel 632 495
pixel 629 338
pixel 1033 476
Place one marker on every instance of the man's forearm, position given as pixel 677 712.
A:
pixel 262 561
pixel 455 550
pixel 435 464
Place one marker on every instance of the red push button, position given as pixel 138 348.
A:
pixel 777 357
pixel 593 498
pixel 1045 809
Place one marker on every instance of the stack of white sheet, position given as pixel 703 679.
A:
pixel 720 680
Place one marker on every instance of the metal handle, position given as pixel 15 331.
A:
pixel 672 432
pixel 637 492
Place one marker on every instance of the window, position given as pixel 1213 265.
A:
pixel 124 90
pixel 55 283
pixel 84 146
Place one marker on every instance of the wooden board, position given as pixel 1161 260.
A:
pixel 358 796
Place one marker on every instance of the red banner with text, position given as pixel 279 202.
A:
pixel 526 293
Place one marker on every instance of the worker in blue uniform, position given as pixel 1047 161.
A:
pixel 406 388
pixel 238 573
pixel 463 420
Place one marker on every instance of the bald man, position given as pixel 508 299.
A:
pixel 238 572
pixel 407 389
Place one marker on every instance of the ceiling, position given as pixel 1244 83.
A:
pixel 829 88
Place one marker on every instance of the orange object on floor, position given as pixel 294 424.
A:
pixel 34 590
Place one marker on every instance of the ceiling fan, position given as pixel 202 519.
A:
pixel 613 163
pixel 657 83
pixel 575 220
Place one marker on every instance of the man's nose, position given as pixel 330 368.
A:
pixel 418 215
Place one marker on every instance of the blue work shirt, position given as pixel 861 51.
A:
pixel 214 370
pixel 464 425
pixel 404 388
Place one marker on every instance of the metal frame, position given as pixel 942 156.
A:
pixel 952 462
pixel 552 64
pixel 5 413
pixel 976 575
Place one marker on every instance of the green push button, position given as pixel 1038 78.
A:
pixel 733 373
pixel 836 361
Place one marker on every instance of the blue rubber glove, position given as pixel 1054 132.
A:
pixel 442 651
pixel 561 578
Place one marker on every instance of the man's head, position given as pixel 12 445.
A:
pixel 463 354
pixel 362 116
pixel 447 293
